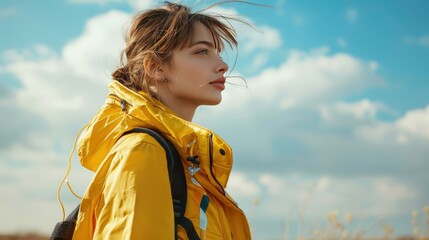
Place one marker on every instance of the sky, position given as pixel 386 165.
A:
pixel 331 123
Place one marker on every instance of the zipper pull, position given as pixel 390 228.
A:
pixel 193 159
pixel 195 164
pixel 123 106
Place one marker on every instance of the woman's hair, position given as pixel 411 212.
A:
pixel 155 33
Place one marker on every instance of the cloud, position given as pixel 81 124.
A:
pixel 59 87
pixel 422 40
pixel 16 122
pixel 298 20
pixel 342 42
pixel 413 126
pixel 29 180
pixel 141 4
pixel 305 79
pixel 294 119
pixel 352 15
pixel 415 122
pixel 351 114
pixel 307 200
pixel 267 38
pixel 301 146
pixel 100 2
pixel 7 12
pixel 250 36
pixel 135 4
pixel 95 53
pixel 323 194
pixel 241 185
pixel 58 93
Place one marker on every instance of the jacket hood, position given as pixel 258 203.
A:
pixel 125 110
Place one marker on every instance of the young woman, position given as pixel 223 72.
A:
pixel 172 65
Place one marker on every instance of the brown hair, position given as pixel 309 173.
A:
pixel 155 33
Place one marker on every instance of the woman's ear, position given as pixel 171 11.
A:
pixel 160 74
pixel 153 67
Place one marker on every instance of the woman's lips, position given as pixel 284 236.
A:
pixel 219 83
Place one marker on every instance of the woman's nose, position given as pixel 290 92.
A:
pixel 222 67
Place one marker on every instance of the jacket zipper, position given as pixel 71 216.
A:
pixel 211 162
pixel 124 104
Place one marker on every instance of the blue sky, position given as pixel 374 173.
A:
pixel 335 119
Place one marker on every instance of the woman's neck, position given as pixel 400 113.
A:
pixel 182 108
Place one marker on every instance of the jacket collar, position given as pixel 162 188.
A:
pixel 125 109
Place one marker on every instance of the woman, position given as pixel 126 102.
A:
pixel 172 66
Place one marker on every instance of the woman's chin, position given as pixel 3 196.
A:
pixel 214 101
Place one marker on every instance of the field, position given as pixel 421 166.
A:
pixel 337 228
pixel 40 237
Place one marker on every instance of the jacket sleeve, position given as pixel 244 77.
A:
pixel 137 196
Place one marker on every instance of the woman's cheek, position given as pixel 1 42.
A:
pixel 195 70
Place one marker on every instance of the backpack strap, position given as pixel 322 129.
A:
pixel 64 230
pixel 177 182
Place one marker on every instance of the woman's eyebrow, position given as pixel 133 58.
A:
pixel 209 44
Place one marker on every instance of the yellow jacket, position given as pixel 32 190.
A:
pixel 129 196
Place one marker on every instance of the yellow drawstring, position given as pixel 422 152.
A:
pixel 191 146
pixel 66 175
pixel 71 190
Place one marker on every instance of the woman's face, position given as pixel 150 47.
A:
pixel 195 73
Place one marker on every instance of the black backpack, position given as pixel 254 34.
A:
pixel 64 230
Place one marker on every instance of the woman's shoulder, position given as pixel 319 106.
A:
pixel 138 152
pixel 136 146
pixel 136 142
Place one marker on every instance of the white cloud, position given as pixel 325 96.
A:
pixel 142 4
pixel 342 113
pixel 7 12
pixel 414 125
pixel 374 196
pixel 65 89
pixel 60 87
pixel 308 200
pixel 265 38
pixel 373 65
pixel 251 38
pixel 136 4
pixel 422 40
pixel 30 172
pixel 58 93
pixel 259 60
pixel 305 79
pixel 298 20
pixel 96 52
pixel 342 42
pixel 44 94
pixel 100 2
pixel 38 52
pixel 299 122
pixel 274 184
pixel 415 122
pixel 240 184
pixel 352 15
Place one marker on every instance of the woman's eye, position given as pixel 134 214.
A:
pixel 204 51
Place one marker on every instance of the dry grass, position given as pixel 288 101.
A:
pixel 337 228
pixel 27 236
